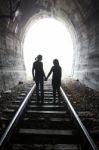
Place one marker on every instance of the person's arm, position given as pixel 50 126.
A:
pixel 44 74
pixel 33 72
pixel 61 73
pixel 49 73
pixel 43 71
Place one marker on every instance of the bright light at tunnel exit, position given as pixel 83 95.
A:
pixel 50 38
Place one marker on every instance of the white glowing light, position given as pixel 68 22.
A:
pixel 50 38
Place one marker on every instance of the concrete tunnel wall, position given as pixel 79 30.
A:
pixel 81 18
pixel 11 60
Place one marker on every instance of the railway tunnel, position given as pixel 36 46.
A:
pixel 79 17
pixel 81 20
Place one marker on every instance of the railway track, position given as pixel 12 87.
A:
pixel 28 124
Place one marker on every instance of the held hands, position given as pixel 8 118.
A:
pixel 45 79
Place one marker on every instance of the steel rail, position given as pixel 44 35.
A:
pixel 9 130
pixel 79 122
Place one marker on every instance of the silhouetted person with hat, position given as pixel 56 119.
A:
pixel 39 76
pixel 56 78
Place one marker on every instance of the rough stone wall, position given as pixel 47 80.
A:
pixel 12 68
pixel 86 67
pixel 11 61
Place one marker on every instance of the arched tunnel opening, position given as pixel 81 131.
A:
pixel 52 39
pixel 63 29
pixel 82 26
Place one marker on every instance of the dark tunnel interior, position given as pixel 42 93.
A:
pixel 80 17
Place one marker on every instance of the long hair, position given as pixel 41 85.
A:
pixel 56 62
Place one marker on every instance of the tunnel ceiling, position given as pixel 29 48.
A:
pixel 78 11
pixel 82 19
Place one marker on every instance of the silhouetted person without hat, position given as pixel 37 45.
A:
pixel 56 78
pixel 38 76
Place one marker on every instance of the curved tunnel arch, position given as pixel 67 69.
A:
pixel 78 37
pixel 63 21
pixel 83 24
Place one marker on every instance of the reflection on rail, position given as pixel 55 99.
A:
pixel 8 132
pixel 77 120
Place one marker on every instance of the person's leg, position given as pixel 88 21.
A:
pixel 42 89
pixel 37 89
pixel 59 93
pixel 54 93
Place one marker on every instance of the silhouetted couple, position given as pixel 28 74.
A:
pixel 39 77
